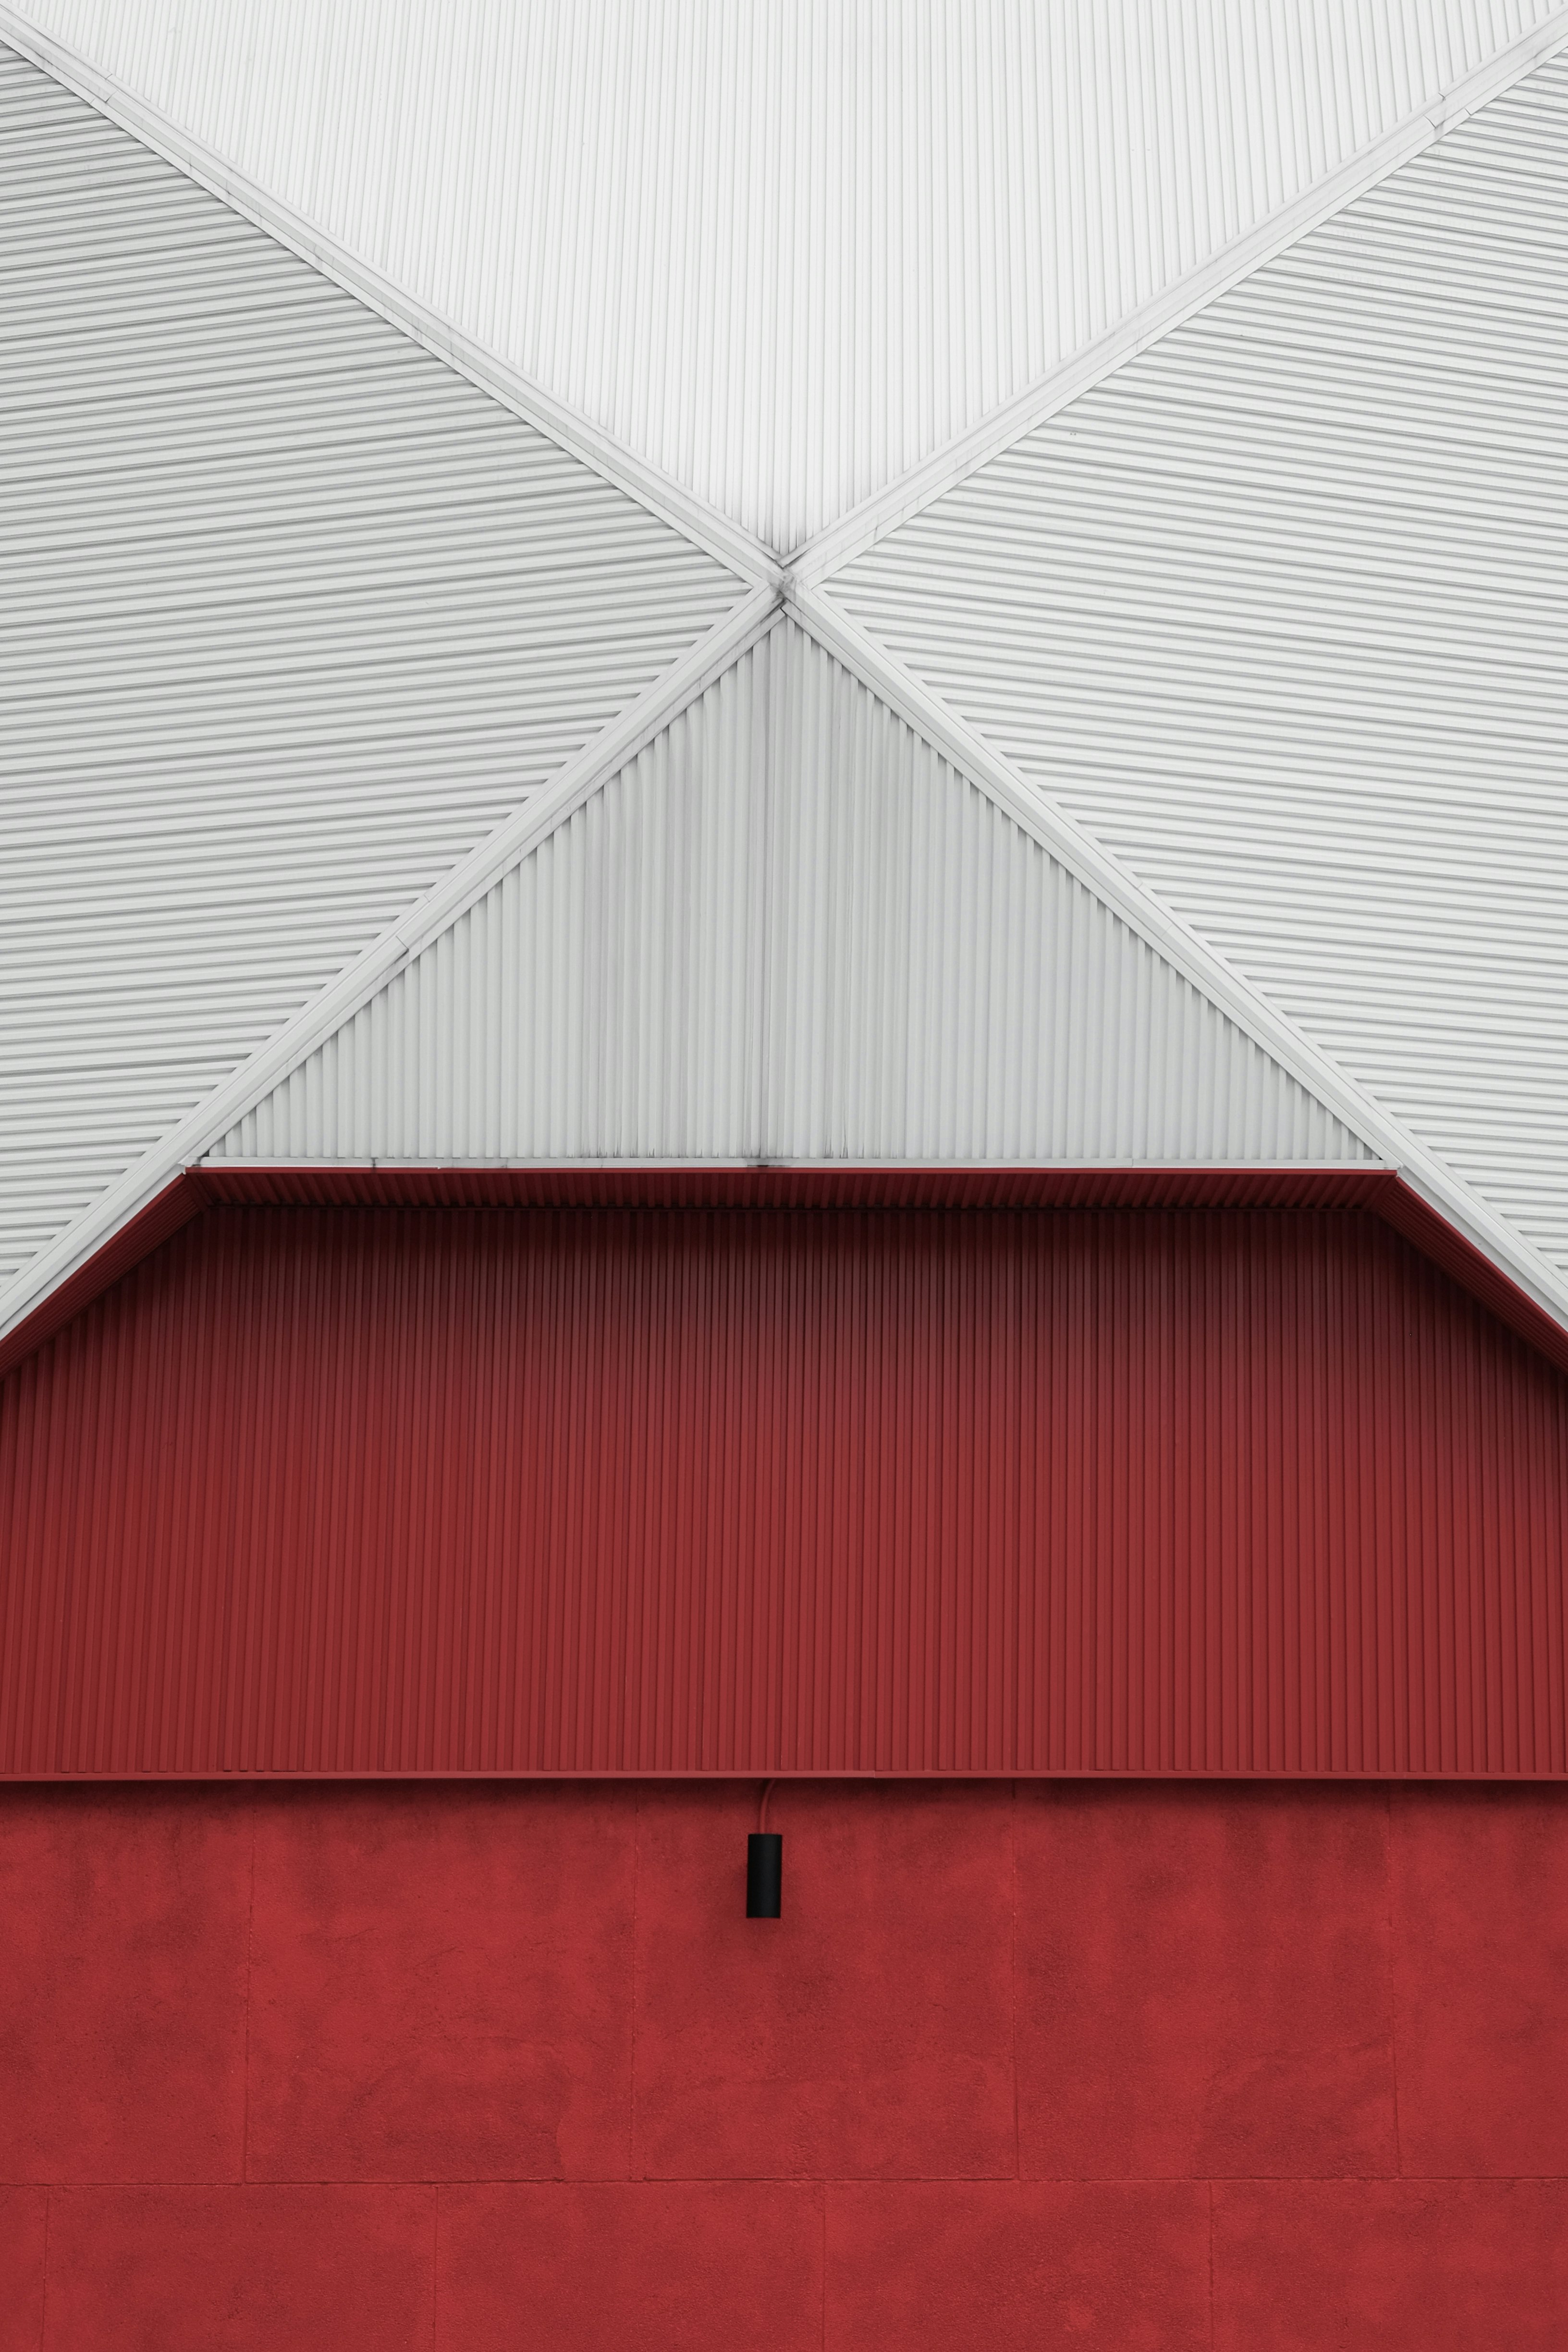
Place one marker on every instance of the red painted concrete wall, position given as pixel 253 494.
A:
pixel 471 2066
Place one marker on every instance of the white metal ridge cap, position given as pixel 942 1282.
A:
pixel 1216 978
pixel 703 525
pixel 547 808
pixel 832 549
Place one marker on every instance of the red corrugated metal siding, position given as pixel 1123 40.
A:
pixel 825 1185
pixel 999 1492
pixel 629 1184
pixel 174 1206
pixel 366 1184
pixel 843 1186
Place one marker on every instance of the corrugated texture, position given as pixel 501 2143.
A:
pixel 623 1184
pixel 772 1184
pixel 292 617
pixel 365 1490
pixel 790 928
pixel 603 998
pixel 1279 614
pixel 785 251
pixel 842 1185
pixel 792 1185
pixel 941 987
pixel 164 1214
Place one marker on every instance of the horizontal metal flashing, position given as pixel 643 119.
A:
pixel 786 1184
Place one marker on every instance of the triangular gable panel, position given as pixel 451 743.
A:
pixel 292 616
pixel 600 1000
pixel 1277 615
pixel 790 929
pixel 787 251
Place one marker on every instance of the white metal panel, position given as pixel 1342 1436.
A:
pixel 600 1001
pixel 291 619
pixel 785 251
pixel 943 989
pixel 1278 614
pixel 790 928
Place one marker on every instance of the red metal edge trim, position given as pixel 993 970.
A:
pixel 784 1186
pixel 167 1210
pixel 791 1186
pixel 1428 1230
pixel 697 1775
pixel 246 1184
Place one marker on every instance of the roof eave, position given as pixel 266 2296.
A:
pixel 791 1185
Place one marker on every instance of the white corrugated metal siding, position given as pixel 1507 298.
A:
pixel 600 1000
pixel 790 928
pixel 787 251
pixel 1279 612
pixel 291 617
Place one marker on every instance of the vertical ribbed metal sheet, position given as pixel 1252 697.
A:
pixel 942 988
pixel 790 928
pixel 787 251
pixel 601 1000
pixel 362 1490
pixel 1279 614
pixel 291 617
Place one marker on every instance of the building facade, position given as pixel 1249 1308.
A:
pixel 785 1047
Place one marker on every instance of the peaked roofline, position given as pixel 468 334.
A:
pixel 134 1203
pixel 89 1238
pixel 703 525
pixel 830 550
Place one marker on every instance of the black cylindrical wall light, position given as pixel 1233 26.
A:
pixel 764 1874
pixel 764 1864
